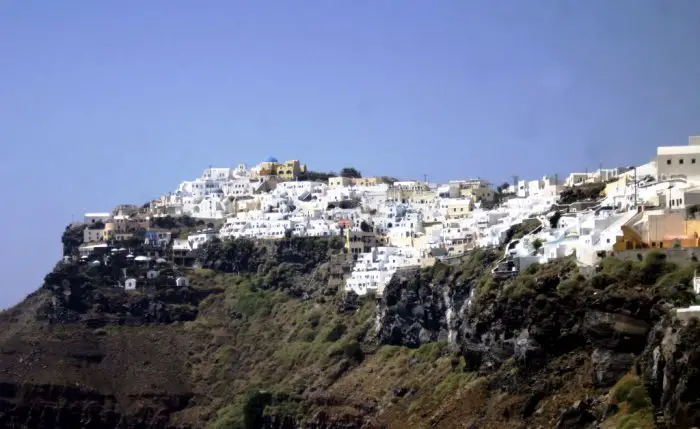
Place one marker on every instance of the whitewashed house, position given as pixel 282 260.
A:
pixel 200 238
pixel 90 218
pixel 373 271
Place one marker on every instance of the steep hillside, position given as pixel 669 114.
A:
pixel 264 338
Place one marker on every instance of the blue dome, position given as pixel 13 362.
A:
pixel 271 159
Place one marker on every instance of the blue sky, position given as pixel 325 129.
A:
pixel 112 102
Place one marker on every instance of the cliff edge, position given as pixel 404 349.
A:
pixel 264 337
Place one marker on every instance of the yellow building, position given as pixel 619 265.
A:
pixel 365 181
pixel 478 194
pixel 288 170
pixel 657 229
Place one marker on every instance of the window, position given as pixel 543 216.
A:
pixel 680 161
pixel 692 161
pixel 668 162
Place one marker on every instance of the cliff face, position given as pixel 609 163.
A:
pixel 263 338
pixel 670 365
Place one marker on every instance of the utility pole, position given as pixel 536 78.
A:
pixel 635 187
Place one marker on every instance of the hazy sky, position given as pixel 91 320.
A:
pixel 113 102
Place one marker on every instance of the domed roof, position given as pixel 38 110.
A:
pixel 271 159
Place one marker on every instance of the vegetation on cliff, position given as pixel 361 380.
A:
pixel 582 192
pixel 264 337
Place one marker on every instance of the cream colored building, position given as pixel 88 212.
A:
pixel 457 208
pixel 679 161
pixel 339 181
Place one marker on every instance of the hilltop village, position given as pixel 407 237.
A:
pixel 388 224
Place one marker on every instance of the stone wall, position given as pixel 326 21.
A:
pixel 678 256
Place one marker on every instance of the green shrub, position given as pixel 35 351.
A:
pixel 430 352
pixel 523 285
pixel 638 399
pixel 624 386
pixel 602 280
pixel 532 268
pixel 567 287
pixel 387 352
pixel 350 350
pixel 335 333
pixel 484 285
pixel 306 335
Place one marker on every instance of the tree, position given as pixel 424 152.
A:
pixel 72 239
pixel 502 187
pixel 537 244
pixel 350 172
pixel 554 219
pixel 316 176
pixel 388 180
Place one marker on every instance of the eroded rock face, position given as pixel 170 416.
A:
pixel 671 368
pixel 413 311
pixel 430 305
pixel 52 407
pixel 610 366
pixel 319 421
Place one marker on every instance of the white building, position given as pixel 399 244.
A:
pixel 90 218
pixel 373 270
pixel 200 238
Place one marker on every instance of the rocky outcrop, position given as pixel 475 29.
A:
pixel 413 312
pixel 52 407
pixel 321 420
pixel 543 349
pixel 420 306
pixel 671 369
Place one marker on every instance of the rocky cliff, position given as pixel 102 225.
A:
pixel 264 338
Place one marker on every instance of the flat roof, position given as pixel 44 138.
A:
pixel 678 150
pixel 92 246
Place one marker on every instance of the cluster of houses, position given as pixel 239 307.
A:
pixel 388 225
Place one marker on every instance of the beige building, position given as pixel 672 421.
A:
pixel 679 161
pixel 421 197
pixel 478 194
pixel 339 181
pixel 357 242
pixel 457 208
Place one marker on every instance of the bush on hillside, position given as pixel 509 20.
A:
pixel 72 238
pixel 350 172
pixel 584 192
